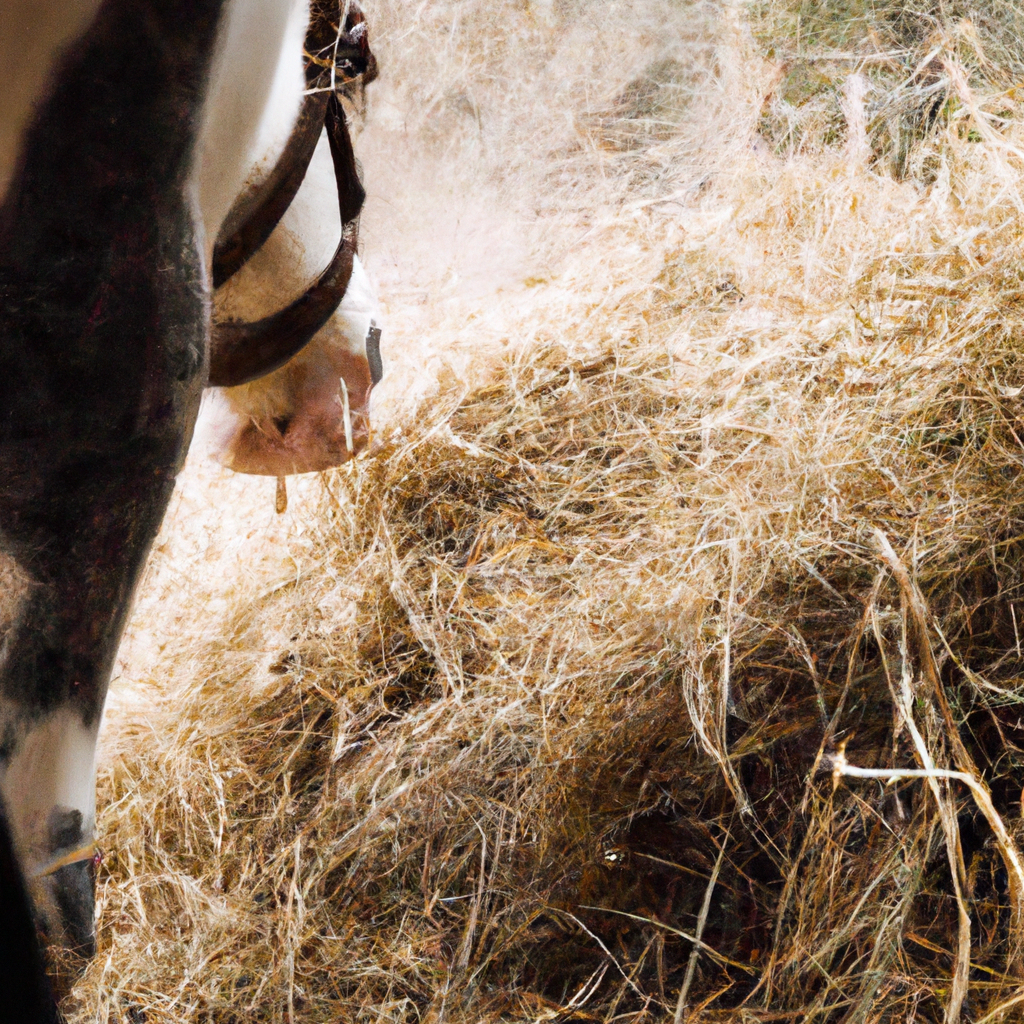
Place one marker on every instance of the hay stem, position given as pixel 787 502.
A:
pixel 705 907
pixel 920 618
pixel 698 943
pixel 346 412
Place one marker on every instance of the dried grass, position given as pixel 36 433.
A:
pixel 555 715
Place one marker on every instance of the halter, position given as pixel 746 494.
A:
pixel 337 55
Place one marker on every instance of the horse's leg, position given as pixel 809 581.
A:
pixel 26 992
pixel 103 326
pixel 83 542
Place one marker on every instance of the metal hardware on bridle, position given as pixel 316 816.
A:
pixel 373 353
pixel 241 351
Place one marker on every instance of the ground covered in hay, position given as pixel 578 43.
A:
pixel 696 492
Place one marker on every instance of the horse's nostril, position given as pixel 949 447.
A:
pixel 282 423
pixel 373 353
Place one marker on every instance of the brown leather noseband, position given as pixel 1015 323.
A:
pixel 336 56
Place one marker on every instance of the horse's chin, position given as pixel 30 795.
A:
pixel 309 444
pixel 309 416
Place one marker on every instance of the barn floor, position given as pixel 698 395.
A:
pixel 696 479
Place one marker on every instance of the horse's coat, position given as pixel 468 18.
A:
pixel 136 124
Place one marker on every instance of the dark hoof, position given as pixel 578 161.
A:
pixel 65 907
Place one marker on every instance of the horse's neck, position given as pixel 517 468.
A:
pixel 253 100
pixel 34 34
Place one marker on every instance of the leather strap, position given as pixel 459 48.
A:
pixel 242 351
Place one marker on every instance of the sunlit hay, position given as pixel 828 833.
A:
pixel 907 59
pixel 565 673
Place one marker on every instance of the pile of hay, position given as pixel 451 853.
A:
pixel 551 719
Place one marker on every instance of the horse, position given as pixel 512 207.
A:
pixel 137 174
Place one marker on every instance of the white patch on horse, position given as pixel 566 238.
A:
pixel 53 770
pixel 253 101
pixel 242 426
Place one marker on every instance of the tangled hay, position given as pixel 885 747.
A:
pixel 559 714
pixel 910 68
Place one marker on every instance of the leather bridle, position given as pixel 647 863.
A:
pixel 338 54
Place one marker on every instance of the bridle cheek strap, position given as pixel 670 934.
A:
pixel 243 351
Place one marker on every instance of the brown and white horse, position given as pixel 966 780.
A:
pixel 134 134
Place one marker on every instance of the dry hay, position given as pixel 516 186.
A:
pixel 549 721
